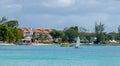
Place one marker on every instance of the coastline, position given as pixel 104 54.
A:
pixel 45 44
pixel 12 44
pixel 41 44
pixel 7 44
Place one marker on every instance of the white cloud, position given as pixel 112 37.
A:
pixel 11 9
pixel 62 13
pixel 15 6
pixel 8 7
pixel 59 3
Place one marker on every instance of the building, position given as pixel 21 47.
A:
pixel 45 33
pixel 37 32
pixel 29 33
pixel 26 33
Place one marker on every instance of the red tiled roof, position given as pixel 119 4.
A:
pixel 26 29
pixel 47 31
pixel 38 30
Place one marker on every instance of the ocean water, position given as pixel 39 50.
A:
pixel 59 56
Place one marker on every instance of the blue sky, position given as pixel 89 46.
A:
pixel 59 14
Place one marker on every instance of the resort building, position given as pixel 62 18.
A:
pixel 40 35
pixel 26 33
pixel 37 32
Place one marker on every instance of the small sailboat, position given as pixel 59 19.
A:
pixel 77 43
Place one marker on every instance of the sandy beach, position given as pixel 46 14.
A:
pixel 42 44
pixel 36 44
pixel 7 44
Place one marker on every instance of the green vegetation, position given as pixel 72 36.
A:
pixel 8 30
pixel 57 35
pixel 118 35
pixel 69 35
pixel 99 33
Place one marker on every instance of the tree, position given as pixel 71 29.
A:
pixel 118 37
pixel 112 36
pixel 83 32
pixel 70 34
pixel 57 34
pixel 3 20
pixel 99 32
pixel 11 36
pixel 17 34
pixel 3 32
pixel 88 38
pixel 8 31
pixel 12 23
pixel 82 29
pixel 43 37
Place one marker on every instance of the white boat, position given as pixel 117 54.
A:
pixel 77 43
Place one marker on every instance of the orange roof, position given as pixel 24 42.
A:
pixel 38 30
pixel 47 31
pixel 26 29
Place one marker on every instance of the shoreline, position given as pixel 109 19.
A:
pixel 7 44
pixel 42 44
pixel 37 44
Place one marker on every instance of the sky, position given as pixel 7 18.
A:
pixel 58 14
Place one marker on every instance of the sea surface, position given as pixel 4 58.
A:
pixel 59 56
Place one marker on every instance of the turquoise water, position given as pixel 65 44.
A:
pixel 59 56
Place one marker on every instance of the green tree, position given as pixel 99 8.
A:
pixel 43 37
pixel 118 36
pixel 8 31
pixel 17 34
pixel 112 36
pixel 3 32
pixel 70 34
pixel 83 32
pixel 57 33
pixel 88 38
pixel 12 23
pixel 99 33
pixel 3 20
pixel 11 36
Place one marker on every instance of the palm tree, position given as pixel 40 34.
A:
pixel 3 20
pixel 12 23
pixel 43 37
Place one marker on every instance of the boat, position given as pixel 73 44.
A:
pixel 77 43
pixel 65 45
